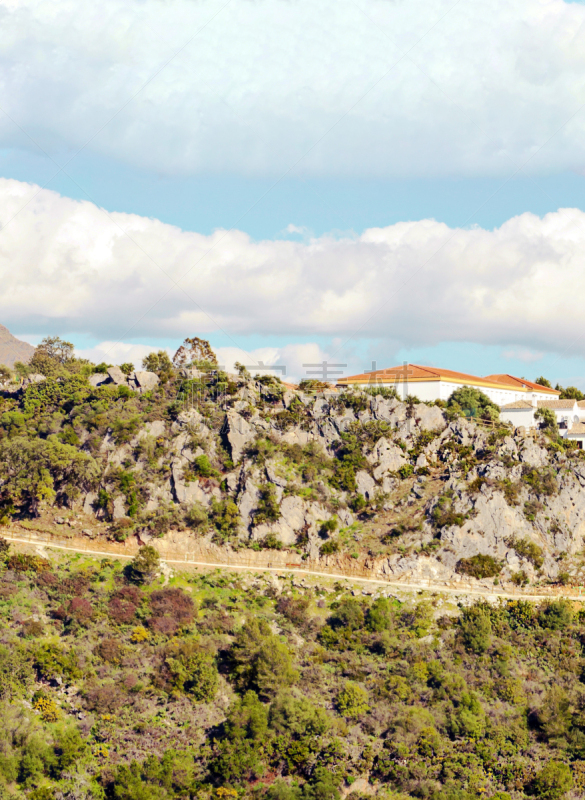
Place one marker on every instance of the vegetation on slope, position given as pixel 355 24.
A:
pixel 114 685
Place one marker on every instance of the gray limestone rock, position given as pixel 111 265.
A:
pixel 429 418
pixel 119 509
pixel 117 376
pixel 387 456
pixel 366 485
pixel 239 433
pixel 532 454
pixel 98 379
pixel 146 380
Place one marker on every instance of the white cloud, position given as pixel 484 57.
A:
pixel 264 84
pixel 67 266
pixel 292 362
pixel 119 353
pixel 522 354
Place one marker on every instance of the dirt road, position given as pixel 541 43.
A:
pixel 409 585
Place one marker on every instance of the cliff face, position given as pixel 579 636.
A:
pixel 403 491
pixel 13 349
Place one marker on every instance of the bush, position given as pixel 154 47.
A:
pixel 194 673
pixel 172 609
pixel 553 781
pixel 196 517
pixel 556 615
pixel 529 550
pixel 472 403
pixel 352 701
pixel 329 547
pixel 476 628
pixel 479 566
pixel 110 650
pixel 46 706
pixel 145 566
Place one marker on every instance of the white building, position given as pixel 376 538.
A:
pixel 433 383
pixel 577 434
pixel 568 413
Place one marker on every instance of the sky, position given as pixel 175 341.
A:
pixel 357 183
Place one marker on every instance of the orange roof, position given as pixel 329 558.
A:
pixel 511 380
pixel 556 403
pixel 412 373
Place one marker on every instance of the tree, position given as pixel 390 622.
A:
pixel 160 364
pixel 542 381
pixel 472 403
pixel 476 629
pixel 262 661
pixel 570 393
pixel 34 470
pixel 6 374
pixel 242 371
pixel 553 781
pixel 55 348
pixel 197 352
pixel 144 566
pixel 549 420
pixel 127 367
pixel 352 701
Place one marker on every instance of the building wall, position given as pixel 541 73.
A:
pixel 518 417
pixel 427 391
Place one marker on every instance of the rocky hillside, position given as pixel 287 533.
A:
pixel 400 489
pixel 13 349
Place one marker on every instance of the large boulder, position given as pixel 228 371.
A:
pixel 366 485
pixel 116 376
pixel 238 434
pixel 98 379
pixel 143 381
pixel 34 377
pixel 387 456
pixel 429 418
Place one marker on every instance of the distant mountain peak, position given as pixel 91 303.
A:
pixel 13 349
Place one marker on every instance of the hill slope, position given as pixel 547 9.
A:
pixel 13 349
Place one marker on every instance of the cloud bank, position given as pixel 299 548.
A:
pixel 68 266
pixel 257 87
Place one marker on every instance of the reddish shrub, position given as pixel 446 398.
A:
pixel 123 605
pixel 172 608
pixel 76 585
pixel 130 594
pixel 81 610
pixel 165 625
pixel 47 579
pixel 60 613
pixel 23 562
pixel 110 650
pixel 121 612
pixel 104 699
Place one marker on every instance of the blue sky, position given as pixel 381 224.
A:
pixel 352 182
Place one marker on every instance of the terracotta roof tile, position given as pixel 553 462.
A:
pixel 577 427
pixel 518 404
pixel 415 372
pixel 556 404
pixel 512 380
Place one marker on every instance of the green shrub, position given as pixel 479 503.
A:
pixel 529 550
pixel 476 628
pixel 144 566
pixel 479 566
pixel 556 614
pixel 353 701
pixel 329 547
pixel 553 781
